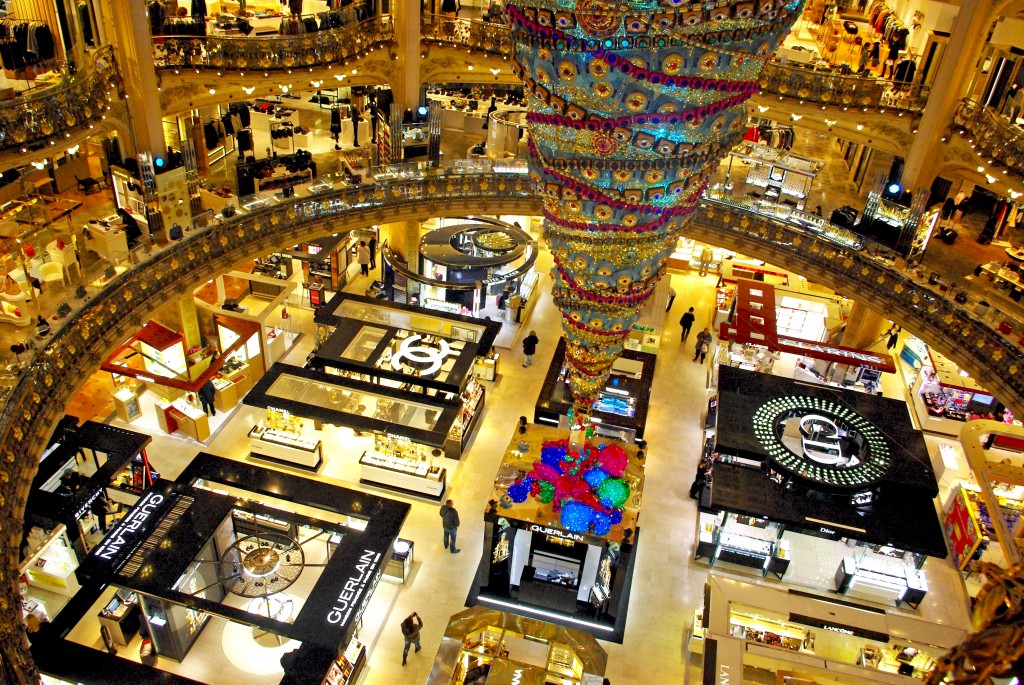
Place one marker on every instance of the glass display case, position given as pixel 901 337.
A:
pixel 278 437
pixel 52 562
pixel 347 667
pixel 400 464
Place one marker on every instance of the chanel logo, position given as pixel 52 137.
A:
pixel 820 438
pixel 427 360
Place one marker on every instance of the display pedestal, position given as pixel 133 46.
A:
pixel 405 475
pixel 289 450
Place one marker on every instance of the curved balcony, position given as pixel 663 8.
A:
pixel 273 53
pixel 57 112
pixel 993 134
pixel 38 397
pixel 826 88
pixel 480 36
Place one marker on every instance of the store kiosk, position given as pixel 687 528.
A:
pixel 481 642
pixel 413 349
pixel 83 464
pixel 534 565
pixel 412 430
pixel 199 547
pixel 792 460
pixel 742 625
pixel 621 405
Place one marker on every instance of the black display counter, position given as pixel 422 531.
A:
pixel 336 400
pixel 177 523
pixel 534 563
pixel 107 453
pixel 623 403
pixel 348 306
pixel 829 463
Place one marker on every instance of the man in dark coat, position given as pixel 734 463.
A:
pixel 450 522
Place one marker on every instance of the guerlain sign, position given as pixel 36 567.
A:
pixel 555 532
pixel 357 590
pixel 127 529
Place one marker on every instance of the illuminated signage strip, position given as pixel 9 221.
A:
pixel 822 522
pixel 837 353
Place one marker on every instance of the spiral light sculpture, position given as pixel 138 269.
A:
pixel 631 107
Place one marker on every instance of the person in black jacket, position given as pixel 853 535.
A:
pixel 206 395
pixel 450 522
pixel 529 348
pixel 132 231
pixel 686 321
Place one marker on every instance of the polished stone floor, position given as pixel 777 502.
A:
pixel 667 584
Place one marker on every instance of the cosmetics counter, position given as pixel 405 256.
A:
pixel 869 577
pixel 411 349
pixel 412 430
pixel 87 477
pixel 349 665
pixel 623 403
pixel 481 643
pixel 753 626
pixel 548 561
pixel 181 533
pixel 279 438
pixel 400 464
pixel 743 540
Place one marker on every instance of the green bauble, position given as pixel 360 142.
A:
pixel 613 492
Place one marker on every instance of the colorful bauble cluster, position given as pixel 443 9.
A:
pixel 632 106
pixel 584 486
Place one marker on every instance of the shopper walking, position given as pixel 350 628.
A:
pixel 363 257
pixel 686 322
pixel 450 522
pixel 529 348
pixel 411 632
pixel 703 345
pixel 373 253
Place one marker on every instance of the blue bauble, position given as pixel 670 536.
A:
pixel 576 517
pixel 594 477
pixel 519 492
pixel 602 523
pixel 616 516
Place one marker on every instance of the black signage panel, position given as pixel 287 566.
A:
pixel 106 557
pixel 840 628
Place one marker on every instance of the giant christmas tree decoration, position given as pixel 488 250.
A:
pixel 632 105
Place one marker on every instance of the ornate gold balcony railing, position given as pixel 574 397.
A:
pixel 55 113
pixel 482 36
pixel 38 397
pixel 828 88
pixel 994 135
pixel 273 53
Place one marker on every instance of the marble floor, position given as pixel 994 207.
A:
pixel 667 584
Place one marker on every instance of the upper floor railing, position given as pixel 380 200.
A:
pixel 484 36
pixel 115 309
pixel 273 53
pixel 993 135
pixel 70 105
pixel 828 88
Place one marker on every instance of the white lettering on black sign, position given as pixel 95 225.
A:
pixel 355 589
pixel 557 533
pixel 129 526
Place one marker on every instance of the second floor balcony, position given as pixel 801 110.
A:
pixel 274 52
